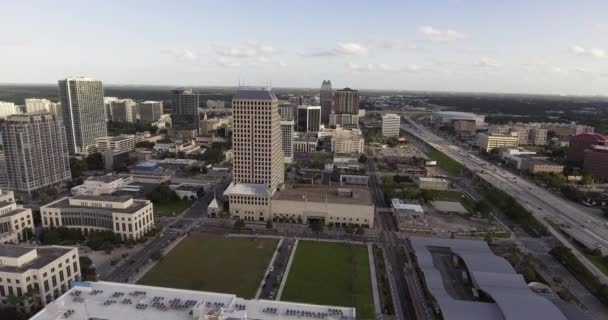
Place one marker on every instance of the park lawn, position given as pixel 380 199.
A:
pixel 446 163
pixel 168 208
pixel 599 262
pixel 227 265
pixel 455 196
pixel 331 274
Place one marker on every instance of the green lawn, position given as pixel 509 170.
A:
pixel 446 163
pixel 331 274
pixel 228 265
pixel 167 209
pixel 599 262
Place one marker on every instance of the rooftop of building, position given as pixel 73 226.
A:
pixel 432 179
pixel 400 204
pixel 307 136
pixel 600 148
pixel 512 299
pixel 541 161
pixel 248 93
pixel 136 206
pixel 591 137
pixel 116 138
pixel 89 300
pixel 45 255
pixel 105 179
pixel 329 194
pixel 247 189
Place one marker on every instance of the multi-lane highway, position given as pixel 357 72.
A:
pixel 576 221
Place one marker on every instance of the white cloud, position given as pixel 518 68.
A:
pixel 227 63
pixel 361 68
pixel 251 49
pixel 352 48
pixel 487 63
pixel 591 52
pixel 342 49
pixel 282 64
pixel 437 35
pixel 182 55
pixel 236 52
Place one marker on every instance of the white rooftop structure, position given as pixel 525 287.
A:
pixel 446 117
pixel 399 205
pixel 512 299
pixel 108 300
pixel 249 189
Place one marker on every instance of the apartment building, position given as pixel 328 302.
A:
pixel 487 142
pixel 343 119
pixel 36 151
pixel 540 165
pixel 596 162
pixel 305 142
pixel 8 108
pixel 526 134
pixel 390 125
pixel 129 218
pixel 37 275
pixel 14 219
pixel 347 141
pixel 42 105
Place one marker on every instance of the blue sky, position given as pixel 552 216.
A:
pixel 528 46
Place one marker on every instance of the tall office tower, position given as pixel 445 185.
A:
pixel 8 108
pixel 42 105
pixel 185 114
pixel 258 154
pixel 286 111
pixel 346 101
pixel 124 110
pixel 83 112
pixel 326 101
pixel 390 125
pixel 107 102
pixel 36 151
pixel 309 118
pixel 150 111
pixel 287 138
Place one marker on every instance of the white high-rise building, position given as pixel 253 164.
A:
pixel 287 136
pixel 36 151
pixel 83 112
pixel 42 105
pixel 8 108
pixel 390 125
pixel 107 102
pixel 258 153
pixel 124 110
pixel 150 111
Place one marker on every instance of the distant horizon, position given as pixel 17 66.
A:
pixel 333 88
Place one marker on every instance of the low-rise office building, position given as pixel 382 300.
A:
pixel 465 127
pixel 343 119
pixel 347 141
pixel 38 275
pixel 129 218
pixel 15 221
pixel 540 165
pixel 89 301
pixel 95 186
pixel 487 142
pixel 330 205
pixel 430 183
pixel 305 142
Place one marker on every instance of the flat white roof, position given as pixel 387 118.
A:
pixel 397 204
pixel 109 300
pixel 247 189
pixel 430 179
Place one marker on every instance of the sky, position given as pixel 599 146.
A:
pixel 515 46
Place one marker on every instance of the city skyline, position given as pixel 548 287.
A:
pixel 471 46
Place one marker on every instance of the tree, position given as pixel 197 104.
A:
pixel 87 269
pixel 94 161
pixel 362 158
pixel 162 194
pixel 392 142
pixel 317 226
pixel 587 179
pixel 349 229
pixel 145 144
pixel 360 231
pixel 269 224
pixel 156 255
pixel 77 167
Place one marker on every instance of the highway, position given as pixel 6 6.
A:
pixel 545 206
